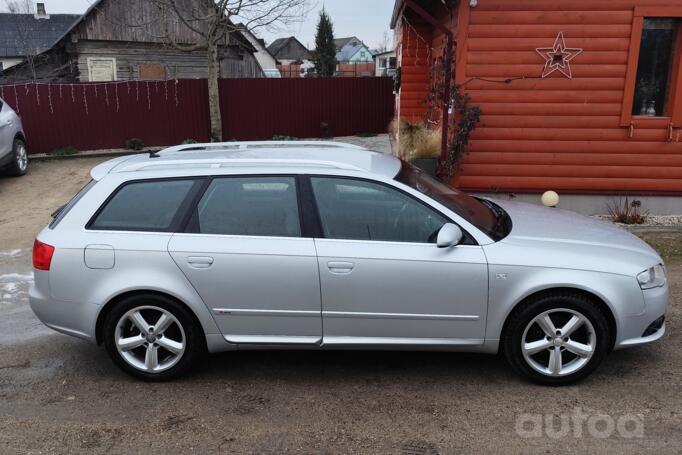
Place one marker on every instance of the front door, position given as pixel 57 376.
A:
pixel 246 257
pixel 383 279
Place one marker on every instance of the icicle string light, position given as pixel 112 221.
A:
pixel 28 87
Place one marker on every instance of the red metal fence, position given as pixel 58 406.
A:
pixel 103 115
pixel 304 108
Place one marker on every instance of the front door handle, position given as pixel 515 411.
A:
pixel 340 268
pixel 200 262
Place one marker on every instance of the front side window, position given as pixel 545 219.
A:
pixel 254 206
pixel 360 210
pixel 656 53
pixel 144 206
pixel 486 216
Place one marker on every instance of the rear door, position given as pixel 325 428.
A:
pixel 245 253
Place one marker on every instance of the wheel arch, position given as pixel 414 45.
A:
pixel 108 307
pixel 598 300
pixel 20 135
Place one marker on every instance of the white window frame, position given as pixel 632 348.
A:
pixel 92 60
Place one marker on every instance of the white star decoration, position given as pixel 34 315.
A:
pixel 558 57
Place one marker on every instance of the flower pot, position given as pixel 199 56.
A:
pixel 428 165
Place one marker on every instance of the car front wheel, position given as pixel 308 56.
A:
pixel 557 339
pixel 152 338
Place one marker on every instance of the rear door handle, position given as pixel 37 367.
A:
pixel 200 262
pixel 340 268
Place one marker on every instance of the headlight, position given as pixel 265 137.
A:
pixel 652 278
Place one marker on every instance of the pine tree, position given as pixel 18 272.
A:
pixel 324 55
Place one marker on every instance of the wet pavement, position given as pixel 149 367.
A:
pixel 17 322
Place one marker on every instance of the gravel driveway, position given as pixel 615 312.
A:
pixel 62 395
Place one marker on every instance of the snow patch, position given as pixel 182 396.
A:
pixel 11 253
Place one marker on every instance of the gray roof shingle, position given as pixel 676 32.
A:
pixel 289 49
pixel 20 33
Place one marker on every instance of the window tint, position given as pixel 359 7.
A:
pixel 360 210
pixel 259 206
pixel 144 206
pixel 654 67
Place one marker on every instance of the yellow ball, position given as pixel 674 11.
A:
pixel 550 199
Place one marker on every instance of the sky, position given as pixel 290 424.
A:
pixel 366 19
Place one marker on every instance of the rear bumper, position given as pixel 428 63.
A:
pixel 70 318
pixel 633 330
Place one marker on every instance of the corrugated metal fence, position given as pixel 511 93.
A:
pixel 103 115
pixel 305 107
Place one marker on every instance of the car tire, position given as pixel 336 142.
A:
pixel 19 165
pixel 179 344
pixel 527 331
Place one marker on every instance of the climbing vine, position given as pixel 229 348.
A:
pixel 463 119
pixel 466 118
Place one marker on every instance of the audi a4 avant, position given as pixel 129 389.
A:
pixel 215 247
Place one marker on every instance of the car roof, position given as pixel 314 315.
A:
pixel 195 159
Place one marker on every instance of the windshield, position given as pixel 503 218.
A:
pixel 490 218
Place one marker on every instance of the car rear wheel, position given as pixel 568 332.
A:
pixel 19 165
pixel 153 338
pixel 557 339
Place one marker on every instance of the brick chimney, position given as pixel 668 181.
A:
pixel 41 13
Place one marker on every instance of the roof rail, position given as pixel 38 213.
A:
pixel 223 146
pixel 221 162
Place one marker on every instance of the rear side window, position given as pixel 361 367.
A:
pixel 254 206
pixel 144 206
pixel 61 212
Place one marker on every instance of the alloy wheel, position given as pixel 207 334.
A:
pixel 22 157
pixel 558 342
pixel 150 339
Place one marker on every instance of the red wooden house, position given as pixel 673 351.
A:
pixel 583 97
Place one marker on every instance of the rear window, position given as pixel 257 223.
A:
pixel 144 206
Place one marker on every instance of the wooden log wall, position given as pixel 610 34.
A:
pixel 554 133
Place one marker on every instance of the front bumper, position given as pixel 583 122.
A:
pixel 71 318
pixel 633 330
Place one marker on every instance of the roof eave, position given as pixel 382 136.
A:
pixel 396 12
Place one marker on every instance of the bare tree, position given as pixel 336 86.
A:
pixel 25 41
pixel 385 44
pixel 213 23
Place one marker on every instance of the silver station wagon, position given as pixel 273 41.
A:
pixel 213 247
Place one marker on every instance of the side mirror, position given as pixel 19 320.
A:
pixel 449 235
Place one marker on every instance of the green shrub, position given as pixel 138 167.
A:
pixel 189 141
pixel 134 144
pixel 277 137
pixel 64 151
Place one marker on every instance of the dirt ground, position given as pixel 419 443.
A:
pixel 62 395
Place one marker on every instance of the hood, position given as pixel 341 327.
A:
pixel 572 233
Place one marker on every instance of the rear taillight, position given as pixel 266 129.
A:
pixel 42 255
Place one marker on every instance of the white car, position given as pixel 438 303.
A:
pixel 13 151
pixel 329 246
